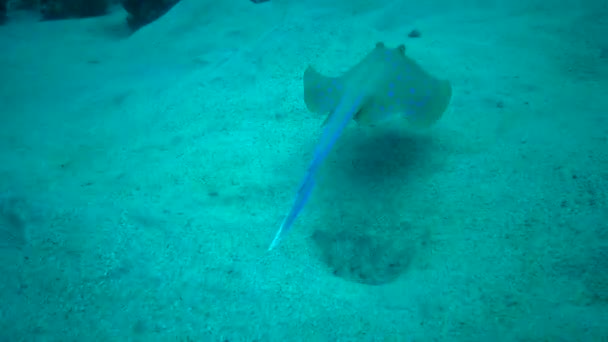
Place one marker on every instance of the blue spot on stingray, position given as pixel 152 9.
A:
pixel 421 103
pixel 334 85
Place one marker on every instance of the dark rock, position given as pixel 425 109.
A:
pixel 143 12
pixel 3 10
pixel 414 34
pixel 24 4
pixel 64 9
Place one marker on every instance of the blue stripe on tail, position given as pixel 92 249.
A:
pixel 338 121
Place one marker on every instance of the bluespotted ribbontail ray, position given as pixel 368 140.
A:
pixel 385 84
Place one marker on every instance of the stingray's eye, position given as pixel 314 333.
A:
pixel 401 49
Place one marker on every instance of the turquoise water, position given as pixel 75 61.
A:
pixel 144 174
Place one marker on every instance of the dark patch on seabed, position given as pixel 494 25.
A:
pixel 13 222
pixel 366 257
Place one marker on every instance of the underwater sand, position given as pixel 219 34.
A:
pixel 142 178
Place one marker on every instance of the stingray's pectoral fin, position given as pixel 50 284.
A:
pixel 443 98
pixel 321 94
pixel 436 107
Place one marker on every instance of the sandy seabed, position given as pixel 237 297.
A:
pixel 143 176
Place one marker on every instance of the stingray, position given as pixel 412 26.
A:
pixel 385 85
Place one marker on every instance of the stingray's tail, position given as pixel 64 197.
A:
pixel 301 198
pixel 332 131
